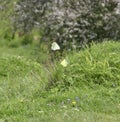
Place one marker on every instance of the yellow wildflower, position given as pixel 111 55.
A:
pixel 74 103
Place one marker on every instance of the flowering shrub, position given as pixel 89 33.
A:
pixel 70 23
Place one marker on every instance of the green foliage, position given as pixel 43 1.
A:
pixel 98 64
pixel 27 39
pixel 6 11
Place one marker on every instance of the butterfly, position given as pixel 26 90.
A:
pixel 64 63
pixel 55 46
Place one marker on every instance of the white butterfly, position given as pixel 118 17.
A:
pixel 64 63
pixel 55 46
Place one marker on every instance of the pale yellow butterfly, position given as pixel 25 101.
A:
pixel 64 63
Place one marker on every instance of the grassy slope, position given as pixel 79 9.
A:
pixel 23 81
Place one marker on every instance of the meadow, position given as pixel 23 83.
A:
pixel 34 89
pixel 40 85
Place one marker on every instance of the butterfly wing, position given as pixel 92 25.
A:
pixel 64 63
pixel 55 46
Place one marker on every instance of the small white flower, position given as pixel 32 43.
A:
pixel 103 4
pixel 55 46
pixel 64 63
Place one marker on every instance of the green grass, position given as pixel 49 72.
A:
pixel 87 90
pixel 99 64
